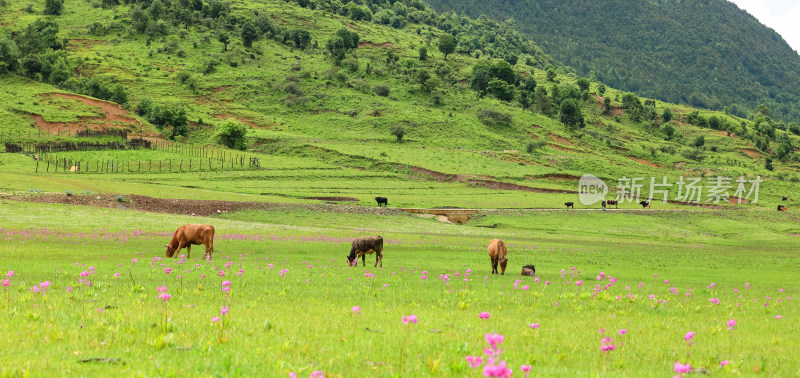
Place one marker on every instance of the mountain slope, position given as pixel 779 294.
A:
pixel 705 53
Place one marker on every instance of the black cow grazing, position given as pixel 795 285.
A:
pixel 645 204
pixel 785 198
pixel 528 270
pixel 382 201
pixel 363 246
pixel 569 204
pixel 613 202
pixel 604 205
pixel 781 208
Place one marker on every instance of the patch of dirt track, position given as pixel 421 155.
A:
pixel 737 200
pixel 560 139
pixel 640 160
pixel 385 45
pixel 115 117
pixel 750 152
pixel 187 206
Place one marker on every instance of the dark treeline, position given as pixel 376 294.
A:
pixel 705 53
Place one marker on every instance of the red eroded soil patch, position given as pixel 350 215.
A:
pixel 560 139
pixel 679 164
pixel 750 152
pixel 737 200
pixel 640 160
pixel 280 20
pixel 115 117
pixel 186 206
pixel 536 126
pixel 385 45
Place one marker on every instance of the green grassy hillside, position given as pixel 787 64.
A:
pixel 323 125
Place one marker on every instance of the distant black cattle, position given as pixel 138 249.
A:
pixel 645 204
pixel 604 205
pixel 528 270
pixel 382 201
pixel 613 202
pixel 781 208
pixel 363 246
pixel 569 204
pixel 785 198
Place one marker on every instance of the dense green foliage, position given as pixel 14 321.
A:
pixel 703 53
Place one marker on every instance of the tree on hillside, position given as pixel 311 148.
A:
pixel 224 39
pixel 551 75
pixel 423 53
pixel 9 56
pixel 53 7
pixel 501 90
pixel 232 134
pixel 601 89
pixel 542 102
pixel 249 33
pixel 607 105
pixel 583 84
pixel 571 114
pixel 350 38
pixel 668 130
pixel 447 45
pixel 666 116
pixel 398 131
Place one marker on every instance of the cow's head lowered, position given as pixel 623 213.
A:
pixel 503 262
pixel 170 249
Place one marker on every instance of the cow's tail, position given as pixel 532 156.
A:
pixel 380 244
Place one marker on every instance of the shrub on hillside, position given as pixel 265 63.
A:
pixel 494 118
pixel 398 131
pixel 382 90
pixel 232 134
pixel 53 7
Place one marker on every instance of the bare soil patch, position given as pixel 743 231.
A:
pixel 385 45
pixel 750 152
pixel 560 139
pixel 82 44
pixel 333 199
pixel 115 117
pixel 737 200
pixel 561 148
pixel 282 21
pixel 187 206
pixel 679 164
pixel 640 160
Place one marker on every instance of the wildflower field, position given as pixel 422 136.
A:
pixel 99 298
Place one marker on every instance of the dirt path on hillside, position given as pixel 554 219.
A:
pixel 750 153
pixel 192 207
pixel 385 45
pixel 114 117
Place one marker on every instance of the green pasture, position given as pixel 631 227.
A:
pixel 303 321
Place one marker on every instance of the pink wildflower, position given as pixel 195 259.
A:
pixel 224 310
pixel 215 319
pixel 723 363
pixel 317 374
pixel 6 282
pixel 162 289
pixel 534 325
pixel 623 331
pixel 168 270
pixel 731 324
pixel 356 309
pixel 35 289
pixel 680 369
pixel 474 361
pixel 165 296
pixel 410 319
pixel 494 339
pixel 688 336
pixel 10 274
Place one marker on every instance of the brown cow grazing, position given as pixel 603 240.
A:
pixel 645 204
pixel 498 252
pixel 569 204
pixel 189 234
pixel 782 208
pixel 528 270
pixel 613 202
pixel 363 246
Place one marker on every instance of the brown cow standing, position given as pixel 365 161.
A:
pixel 498 252
pixel 613 202
pixel 782 208
pixel 189 234
pixel 363 246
